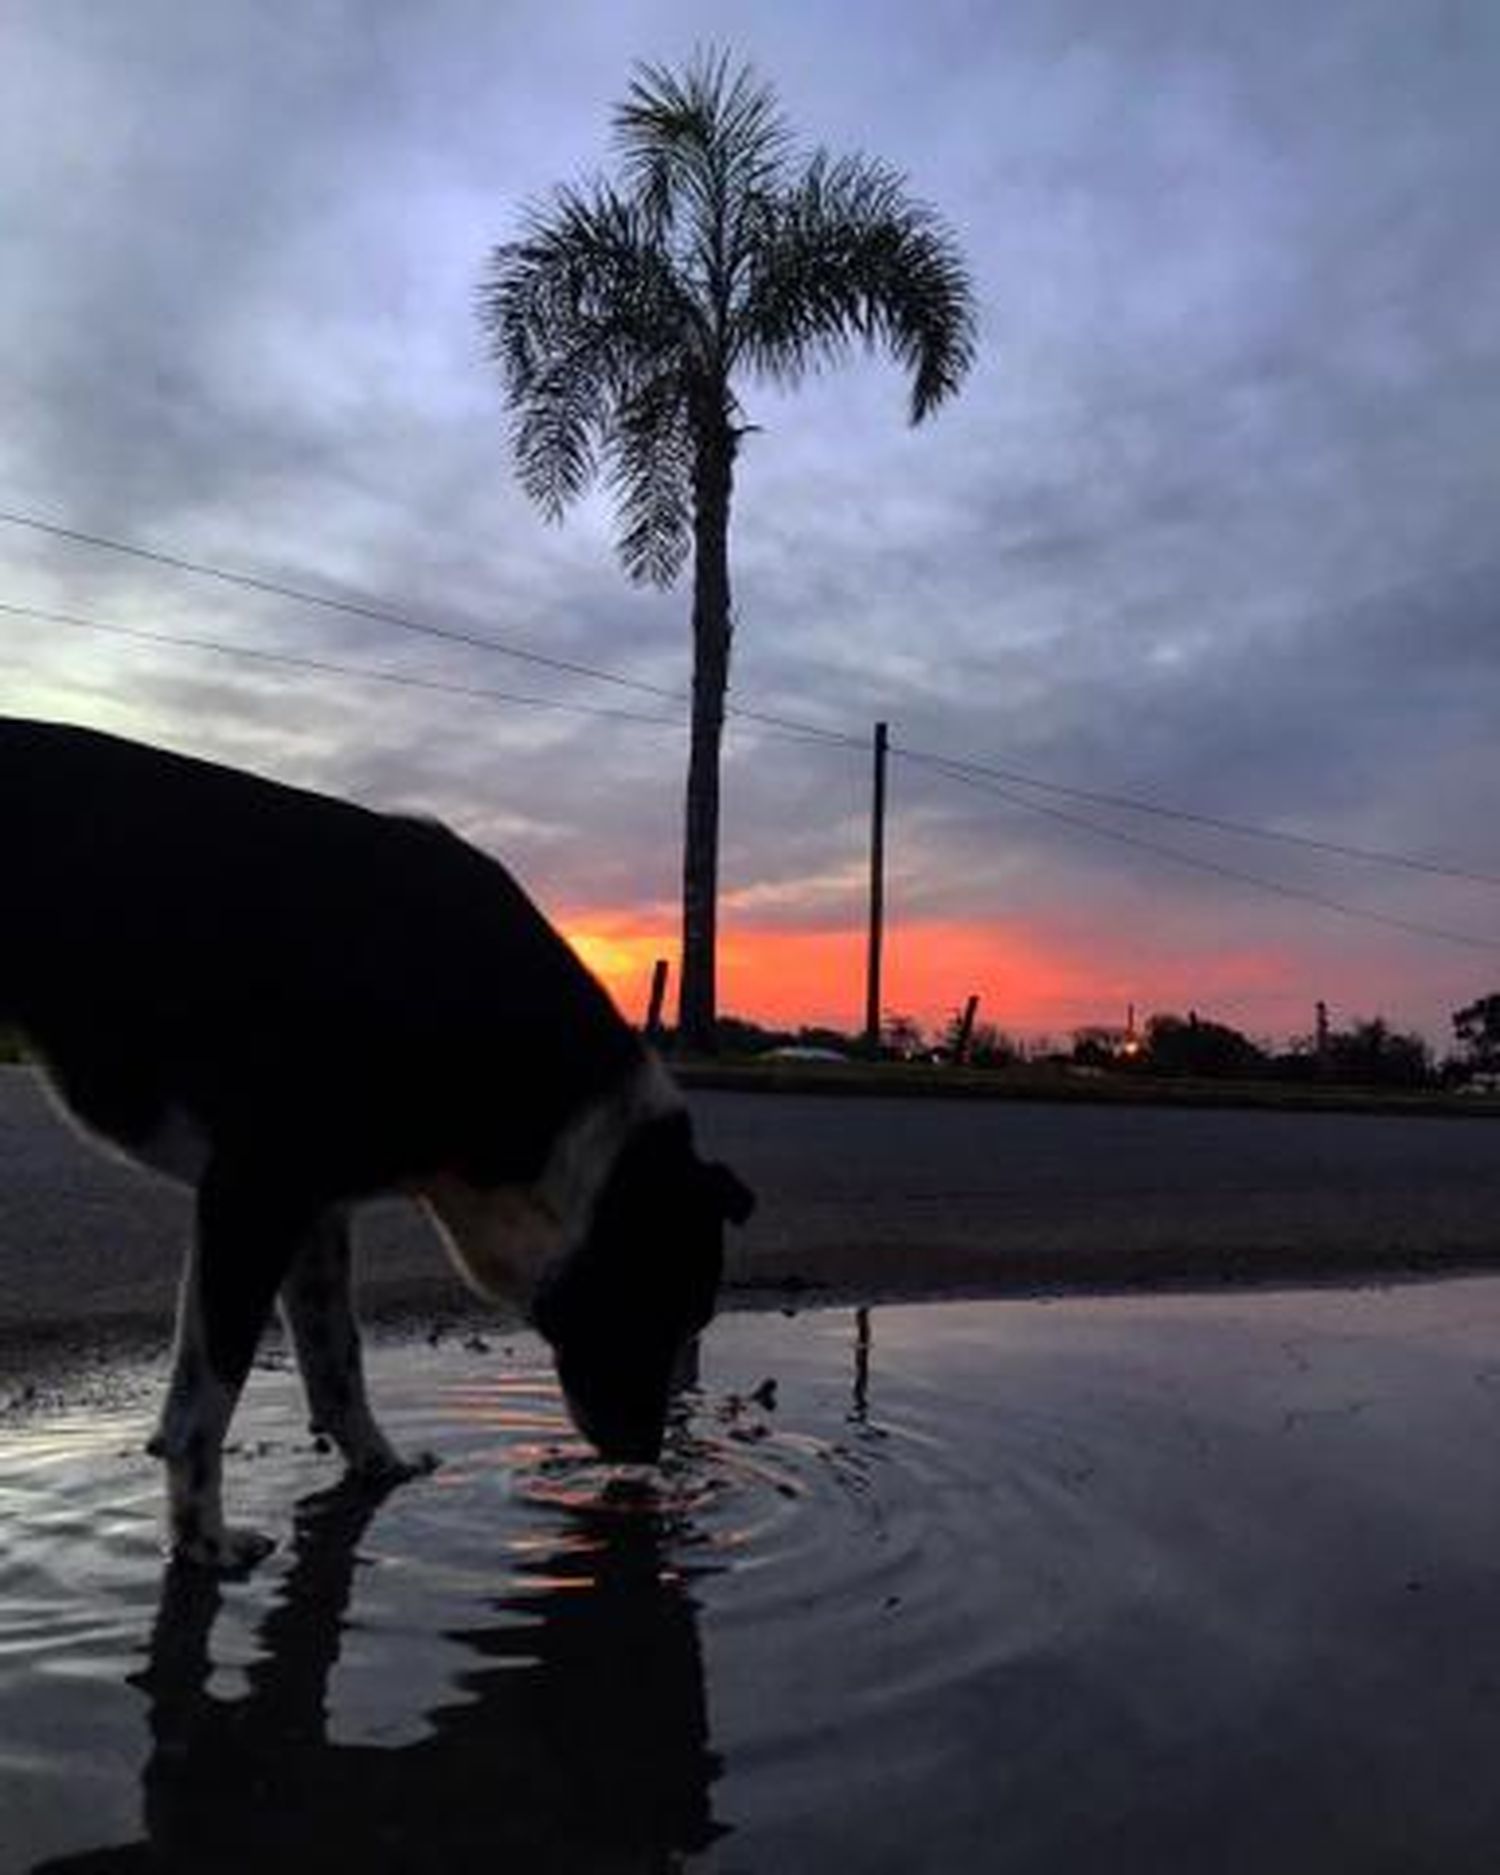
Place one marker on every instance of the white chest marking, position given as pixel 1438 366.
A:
pixel 503 1237
pixel 500 1238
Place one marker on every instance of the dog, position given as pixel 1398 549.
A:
pixel 294 1003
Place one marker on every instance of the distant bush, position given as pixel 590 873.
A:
pixel 1373 1054
pixel 1369 1054
pixel 1200 1048
pixel 1477 1029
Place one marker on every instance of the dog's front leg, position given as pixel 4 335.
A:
pixel 317 1305
pixel 248 1230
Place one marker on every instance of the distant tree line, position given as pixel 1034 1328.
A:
pixel 1369 1052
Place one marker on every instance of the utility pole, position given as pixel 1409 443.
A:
pixel 963 1041
pixel 877 898
pixel 658 994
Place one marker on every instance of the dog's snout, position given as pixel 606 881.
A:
pixel 618 1439
pixel 621 1409
pixel 633 1446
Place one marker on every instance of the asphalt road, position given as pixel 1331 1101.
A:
pixel 876 1197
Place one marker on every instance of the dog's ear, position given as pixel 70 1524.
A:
pixel 733 1199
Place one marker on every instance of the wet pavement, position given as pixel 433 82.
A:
pixel 1086 1584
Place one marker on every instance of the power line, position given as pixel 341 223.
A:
pixel 1275 886
pixel 798 731
pixel 383 615
pixel 956 767
pixel 971 774
pixel 1135 805
pixel 327 666
pixel 355 608
pixel 774 725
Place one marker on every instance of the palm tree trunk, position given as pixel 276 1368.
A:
pixel 697 1009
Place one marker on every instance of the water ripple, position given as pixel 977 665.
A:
pixel 973 1588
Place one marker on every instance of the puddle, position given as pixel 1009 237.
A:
pixel 1086 1585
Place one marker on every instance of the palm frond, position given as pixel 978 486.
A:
pixel 696 151
pixel 556 436
pixel 579 313
pixel 848 257
pixel 651 452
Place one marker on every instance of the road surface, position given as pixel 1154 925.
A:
pixel 877 1197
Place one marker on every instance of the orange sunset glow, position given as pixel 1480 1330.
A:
pixel 1028 982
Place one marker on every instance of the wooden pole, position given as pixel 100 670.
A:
pixel 877 897
pixel 658 996
pixel 965 1032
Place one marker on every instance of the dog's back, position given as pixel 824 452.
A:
pixel 181 935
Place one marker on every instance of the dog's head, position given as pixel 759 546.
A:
pixel 622 1304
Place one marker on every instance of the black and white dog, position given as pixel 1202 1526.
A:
pixel 295 1003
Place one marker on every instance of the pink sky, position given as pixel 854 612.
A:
pixel 1030 981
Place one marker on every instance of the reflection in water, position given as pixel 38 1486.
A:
pixel 579 1739
pixel 859 1413
pixel 1097 1588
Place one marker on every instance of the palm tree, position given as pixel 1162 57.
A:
pixel 624 316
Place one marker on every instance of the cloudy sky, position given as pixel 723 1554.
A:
pixel 1212 525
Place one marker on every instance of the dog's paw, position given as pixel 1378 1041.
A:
pixel 230 1552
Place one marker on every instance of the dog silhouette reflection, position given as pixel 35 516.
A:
pixel 578 1739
